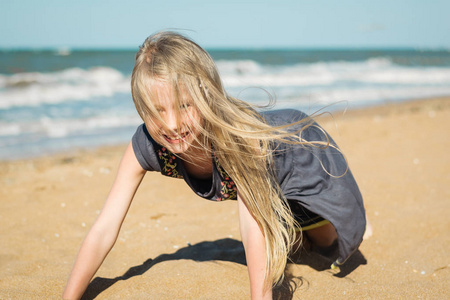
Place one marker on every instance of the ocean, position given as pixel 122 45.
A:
pixel 56 100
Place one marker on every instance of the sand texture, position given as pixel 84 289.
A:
pixel 174 245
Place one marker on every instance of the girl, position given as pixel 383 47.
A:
pixel 280 166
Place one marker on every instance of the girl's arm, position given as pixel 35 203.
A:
pixel 105 230
pixel 255 253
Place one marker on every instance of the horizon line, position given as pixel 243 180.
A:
pixel 225 48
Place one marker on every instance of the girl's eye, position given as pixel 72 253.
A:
pixel 185 105
pixel 159 108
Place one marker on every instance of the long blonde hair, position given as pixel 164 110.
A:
pixel 239 137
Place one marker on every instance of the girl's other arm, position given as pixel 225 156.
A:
pixel 255 252
pixel 105 230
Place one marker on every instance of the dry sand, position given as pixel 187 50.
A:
pixel 174 245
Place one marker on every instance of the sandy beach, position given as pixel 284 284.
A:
pixel 174 245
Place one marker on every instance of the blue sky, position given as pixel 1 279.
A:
pixel 243 24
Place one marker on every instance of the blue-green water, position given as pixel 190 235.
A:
pixel 53 100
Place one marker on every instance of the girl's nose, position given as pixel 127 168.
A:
pixel 171 120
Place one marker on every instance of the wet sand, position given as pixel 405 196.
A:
pixel 174 245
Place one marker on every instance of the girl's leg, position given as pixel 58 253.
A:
pixel 320 237
pixel 323 236
pixel 368 232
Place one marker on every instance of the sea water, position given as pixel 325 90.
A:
pixel 55 100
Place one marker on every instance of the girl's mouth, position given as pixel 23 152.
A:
pixel 176 139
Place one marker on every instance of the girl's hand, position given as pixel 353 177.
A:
pixel 255 252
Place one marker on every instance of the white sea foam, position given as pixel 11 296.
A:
pixel 26 120
pixel 8 129
pixel 409 76
pixel 368 94
pixel 63 51
pixel 33 89
pixel 371 71
pixel 51 128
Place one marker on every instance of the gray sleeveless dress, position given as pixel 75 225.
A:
pixel 303 173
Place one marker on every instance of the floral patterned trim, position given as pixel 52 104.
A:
pixel 169 167
pixel 228 189
pixel 168 163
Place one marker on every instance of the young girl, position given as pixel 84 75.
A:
pixel 284 171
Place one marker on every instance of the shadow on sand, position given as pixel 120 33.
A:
pixel 225 250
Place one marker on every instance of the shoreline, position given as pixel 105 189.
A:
pixel 379 106
pixel 398 153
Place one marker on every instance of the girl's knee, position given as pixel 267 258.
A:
pixel 323 236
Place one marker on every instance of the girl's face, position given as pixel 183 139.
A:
pixel 181 120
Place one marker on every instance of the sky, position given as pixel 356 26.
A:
pixel 227 23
